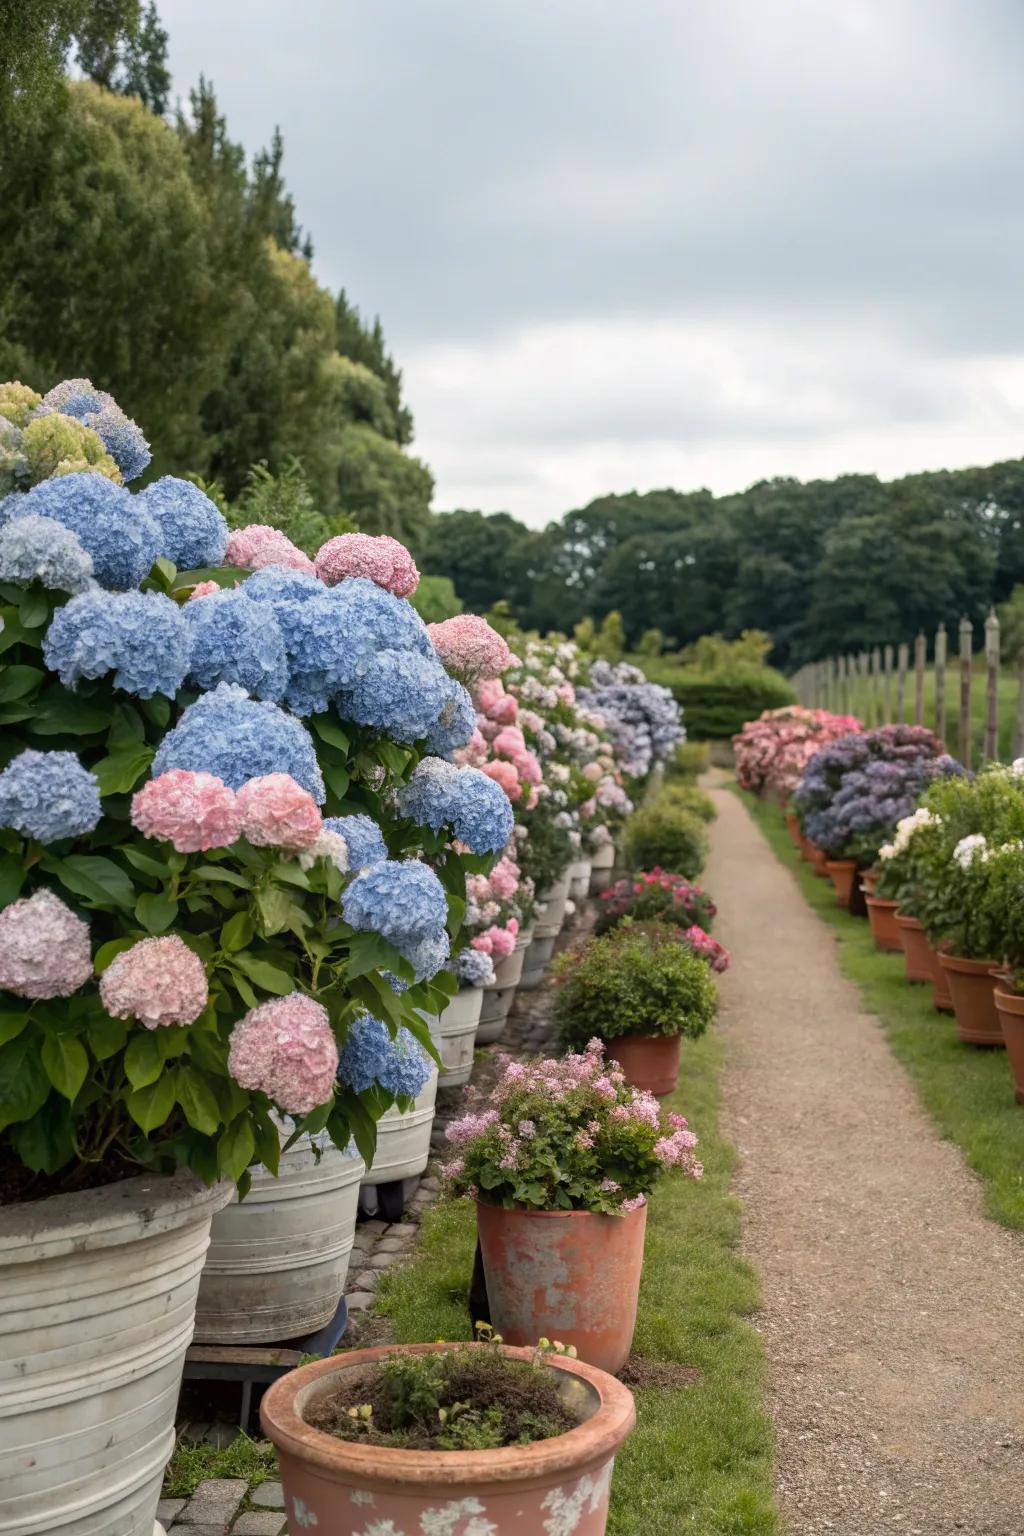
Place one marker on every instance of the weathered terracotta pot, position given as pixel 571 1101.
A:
pixel 842 873
pixel 916 949
pixel 882 917
pixel 649 1061
pixel 818 862
pixel 942 997
pixel 972 989
pixel 793 828
pixel 1010 1009
pixel 348 1489
pixel 868 880
pixel 567 1275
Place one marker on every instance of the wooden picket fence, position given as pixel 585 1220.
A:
pixel 901 683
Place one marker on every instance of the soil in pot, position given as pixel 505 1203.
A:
pixel 972 989
pixel 350 1489
pixel 916 949
pixel 649 1061
pixel 567 1275
pixel 882 917
pixel 460 1399
pixel 1010 1008
pixel 842 873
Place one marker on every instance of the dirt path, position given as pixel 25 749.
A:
pixel 893 1310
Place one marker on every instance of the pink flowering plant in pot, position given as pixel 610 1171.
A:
pixel 560 1157
pixel 655 895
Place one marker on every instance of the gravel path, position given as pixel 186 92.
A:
pixel 893 1310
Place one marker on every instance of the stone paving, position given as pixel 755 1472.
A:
pixel 228 1506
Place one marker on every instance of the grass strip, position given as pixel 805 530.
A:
pixel 968 1091
pixel 701 1457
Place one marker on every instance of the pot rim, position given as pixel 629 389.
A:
pixel 1004 996
pixel 910 922
pixel 840 863
pixel 965 965
pixel 107 1216
pixel 593 1441
pixel 880 901
pixel 526 1210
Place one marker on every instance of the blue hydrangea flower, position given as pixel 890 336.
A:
pixel 193 531
pixel 49 795
pixel 120 436
pixel 399 693
pixel 38 549
pixel 428 797
pixel 320 656
pixel 457 721
pixel 427 956
pixel 482 813
pixel 237 738
pixel 139 636
pixel 236 641
pixel 375 620
pixel 473 967
pixel 371 1056
pixel 121 537
pixel 404 902
pixel 364 837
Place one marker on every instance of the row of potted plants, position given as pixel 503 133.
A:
pixel 935 854
pixel 238 814
pixel 559 1158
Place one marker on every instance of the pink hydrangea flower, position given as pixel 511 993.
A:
pixel 44 948
pixel 157 981
pixel 203 589
pixel 259 545
pixel 528 768
pixel 593 772
pixel 469 647
pixel 194 811
pixel 496 941
pixel 286 1049
pixel 504 774
pixel 380 559
pixel 509 742
pixel 504 878
pixel 275 812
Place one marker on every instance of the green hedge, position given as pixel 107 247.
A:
pixel 718 704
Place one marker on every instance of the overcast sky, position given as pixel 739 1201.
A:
pixel 623 244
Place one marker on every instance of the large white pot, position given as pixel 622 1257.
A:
pixel 499 999
pixel 549 923
pixel 602 861
pixel 403 1140
pixel 454 1033
pixel 535 963
pixel 579 879
pixel 278 1259
pixel 97 1304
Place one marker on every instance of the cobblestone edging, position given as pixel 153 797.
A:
pixel 215 1509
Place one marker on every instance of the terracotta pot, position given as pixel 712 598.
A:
pixel 568 1275
pixel 1010 1008
pixel 793 828
pixel 917 951
pixel 649 1061
pixel 972 988
pixel 868 880
pixel 350 1489
pixel 818 862
pixel 882 917
pixel 842 872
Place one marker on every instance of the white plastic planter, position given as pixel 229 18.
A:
pixel 549 922
pixel 602 861
pixel 535 963
pixel 403 1140
pixel 454 1033
pixel 97 1304
pixel 499 998
pixel 579 879
pixel 279 1258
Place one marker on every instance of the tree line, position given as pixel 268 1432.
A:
pixel 824 567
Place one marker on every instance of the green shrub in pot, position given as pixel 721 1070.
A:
pixel 633 983
pixel 666 836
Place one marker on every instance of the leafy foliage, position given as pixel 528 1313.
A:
pixel 633 983
pixel 668 836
